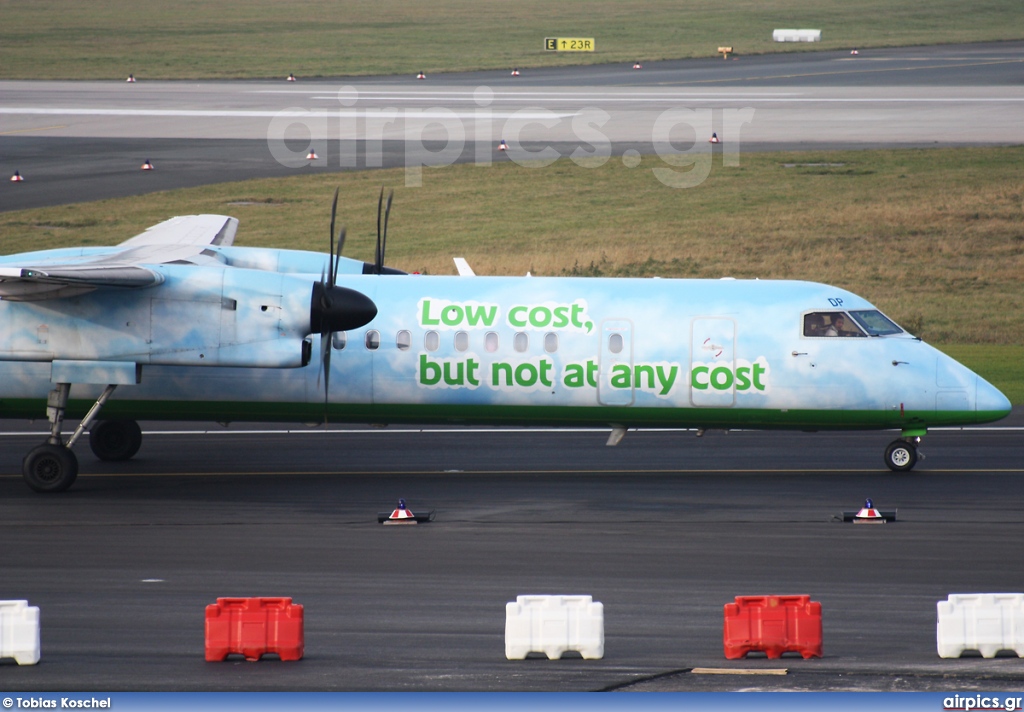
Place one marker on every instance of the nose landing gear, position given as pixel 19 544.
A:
pixel 902 455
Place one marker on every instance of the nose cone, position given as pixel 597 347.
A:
pixel 991 403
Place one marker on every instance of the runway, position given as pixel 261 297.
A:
pixel 87 140
pixel 664 529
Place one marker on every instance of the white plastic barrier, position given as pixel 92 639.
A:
pixel 19 632
pixel 797 35
pixel 986 622
pixel 553 625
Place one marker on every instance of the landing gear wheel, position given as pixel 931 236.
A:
pixel 115 440
pixel 900 456
pixel 49 468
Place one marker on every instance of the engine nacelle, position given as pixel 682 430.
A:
pixel 199 316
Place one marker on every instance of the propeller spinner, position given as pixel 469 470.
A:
pixel 334 308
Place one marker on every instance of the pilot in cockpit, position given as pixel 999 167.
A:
pixel 836 327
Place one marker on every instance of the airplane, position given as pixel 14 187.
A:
pixel 182 324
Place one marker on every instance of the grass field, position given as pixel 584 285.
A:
pixel 80 39
pixel 935 238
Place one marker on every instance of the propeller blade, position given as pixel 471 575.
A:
pixel 337 260
pixel 331 269
pixel 323 356
pixel 334 308
pixel 378 261
pixel 384 236
pixel 325 368
pixel 325 361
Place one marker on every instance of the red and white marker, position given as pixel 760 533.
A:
pixel 402 512
pixel 291 78
pixel 502 146
pixel 130 79
pixel 16 178
pixel 855 52
pixel 421 75
pixel 311 156
pixel 147 166
pixel 714 138
pixel 515 72
pixel 403 515
pixel 637 65
pixel 868 514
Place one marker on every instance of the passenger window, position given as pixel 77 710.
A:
pixel 521 342
pixel 338 340
pixel 491 341
pixel 461 340
pixel 372 339
pixel 615 343
pixel 551 342
pixel 431 341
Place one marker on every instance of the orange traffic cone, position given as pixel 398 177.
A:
pixel 714 138
pixel 16 178
pixel 147 166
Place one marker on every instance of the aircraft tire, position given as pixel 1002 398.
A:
pixel 900 456
pixel 115 440
pixel 49 468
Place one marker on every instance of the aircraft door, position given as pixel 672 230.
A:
pixel 615 376
pixel 712 362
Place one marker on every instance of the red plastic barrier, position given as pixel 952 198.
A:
pixel 773 625
pixel 253 627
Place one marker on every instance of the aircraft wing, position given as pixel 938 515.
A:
pixel 182 239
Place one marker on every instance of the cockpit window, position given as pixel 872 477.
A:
pixel 875 323
pixel 830 324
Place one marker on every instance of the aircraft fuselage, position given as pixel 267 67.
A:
pixel 226 345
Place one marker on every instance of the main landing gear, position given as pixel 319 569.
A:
pixel 902 455
pixel 115 440
pixel 52 466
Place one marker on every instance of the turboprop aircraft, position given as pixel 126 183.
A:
pixel 178 323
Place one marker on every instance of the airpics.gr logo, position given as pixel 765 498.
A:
pixel 981 702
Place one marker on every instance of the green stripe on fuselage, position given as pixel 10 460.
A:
pixel 241 411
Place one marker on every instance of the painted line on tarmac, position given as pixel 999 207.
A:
pixel 503 94
pixel 505 473
pixel 735 98
pixel 270 114
pixel 862 71
pixel 40 128
pixel 515 430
